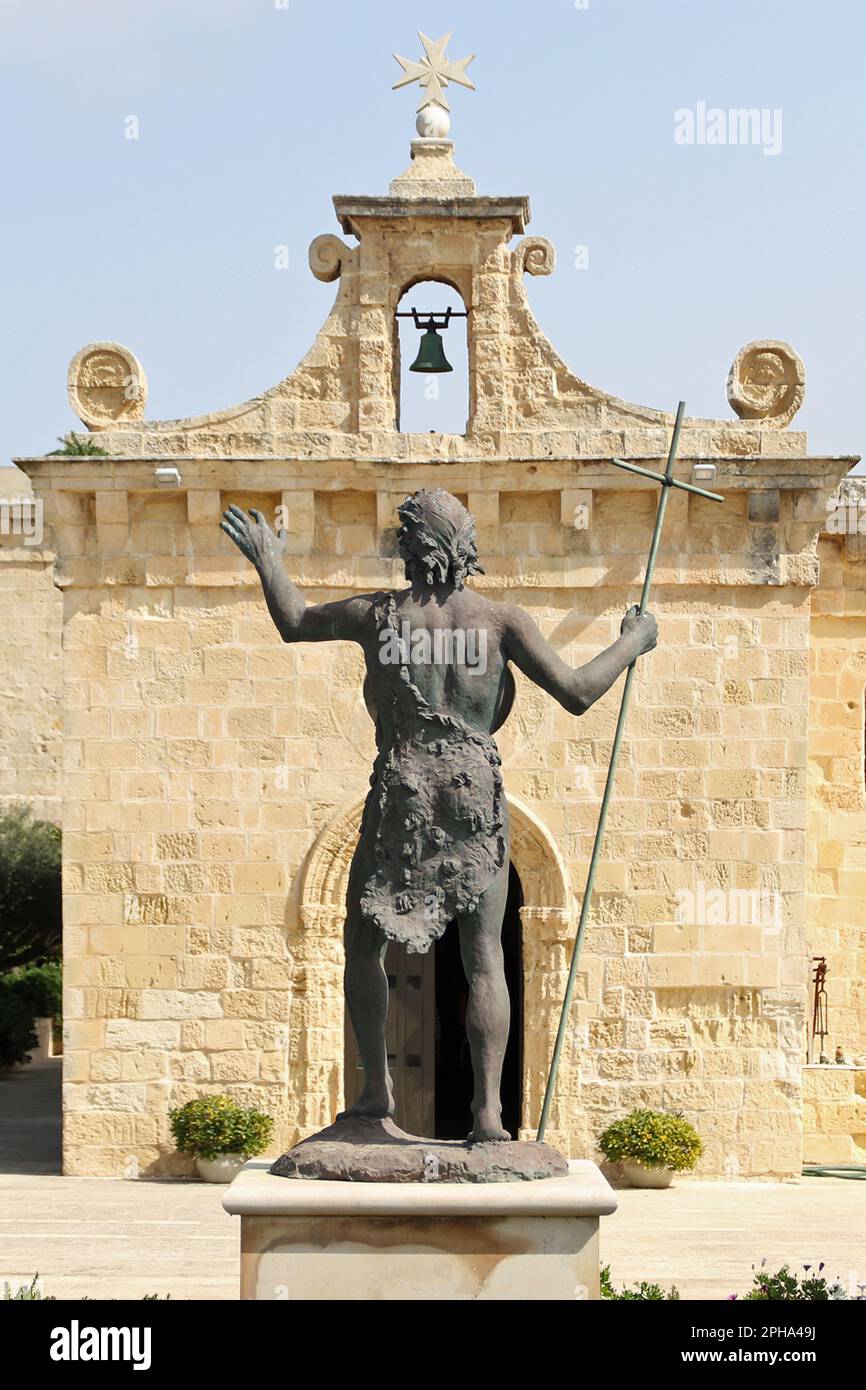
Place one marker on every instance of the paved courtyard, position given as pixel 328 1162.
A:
pixel 109 1238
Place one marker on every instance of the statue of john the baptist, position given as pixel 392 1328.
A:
pixel 434 844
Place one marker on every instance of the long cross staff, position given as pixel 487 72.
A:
pixel 667 481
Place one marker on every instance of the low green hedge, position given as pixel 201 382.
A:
pixel 41 988
pixel 31 992
pixel 17 1034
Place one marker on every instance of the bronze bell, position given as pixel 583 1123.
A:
pixel 431 352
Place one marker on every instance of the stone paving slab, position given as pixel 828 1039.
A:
pixel 113 1239
pixel 110 1238
pixel 705 1236
pixel 107 1238
pixel 30 1123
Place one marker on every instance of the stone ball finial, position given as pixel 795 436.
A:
pixel 106 384
pixel 767 381
pixel 433 122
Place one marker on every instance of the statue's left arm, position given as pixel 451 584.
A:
pixel 576 688
pixel 293 619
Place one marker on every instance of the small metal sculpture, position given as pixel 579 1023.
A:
pixel 819 1009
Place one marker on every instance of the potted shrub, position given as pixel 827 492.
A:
pixel 220 1134
pixel 651 1146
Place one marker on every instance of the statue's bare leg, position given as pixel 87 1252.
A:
pixel 366 986
pixel 488 1012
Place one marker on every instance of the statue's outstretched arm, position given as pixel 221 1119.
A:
pixel 575 688
pixel 294 621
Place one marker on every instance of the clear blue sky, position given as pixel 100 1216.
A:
pixel 252 115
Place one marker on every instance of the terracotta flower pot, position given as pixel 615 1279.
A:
pixel 220 1169
pixel 639 1176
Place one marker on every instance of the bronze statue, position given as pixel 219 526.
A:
pixel 433 846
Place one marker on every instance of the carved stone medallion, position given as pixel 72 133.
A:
pixel 106 383
pixel 767 381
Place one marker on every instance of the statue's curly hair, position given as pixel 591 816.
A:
pixel 437 538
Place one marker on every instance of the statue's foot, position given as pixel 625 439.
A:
pixel 487 1129
pixel 375 1104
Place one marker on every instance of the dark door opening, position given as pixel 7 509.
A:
pixel 428 1053
pixel 453 1066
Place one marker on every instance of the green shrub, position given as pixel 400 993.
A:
pixel 40 987
pixel 30 898
pixel 78 447
pixel 654 1139
pixel 785 1287
pixel 17 1034
pixel 641 1292
pixel 31 1293
pixel 215 1125
pixel 26 1293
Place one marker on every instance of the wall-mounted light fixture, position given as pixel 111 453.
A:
pixel 167 477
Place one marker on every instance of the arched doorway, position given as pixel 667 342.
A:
pixel 317 1035
pixel 428 1053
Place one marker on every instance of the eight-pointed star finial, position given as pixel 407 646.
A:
pixel 434 72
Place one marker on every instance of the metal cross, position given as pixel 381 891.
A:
pixel 667 481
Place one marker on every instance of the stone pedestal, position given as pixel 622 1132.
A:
pixel 308 1239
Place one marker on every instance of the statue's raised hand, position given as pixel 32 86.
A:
pixel 254 538
pixel 642 627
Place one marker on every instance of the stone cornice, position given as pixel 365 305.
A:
pixel 482 472
pixel 352 209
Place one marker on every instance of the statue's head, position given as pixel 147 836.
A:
pixel 437 539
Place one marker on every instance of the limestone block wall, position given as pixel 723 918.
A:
pixel 837 768
pixel 206 765
pixel 834 1114
pixel 30 657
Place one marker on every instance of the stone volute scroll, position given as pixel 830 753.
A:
pixel 767 381
pixel 329 256
pixel 534 255
pixel 106 384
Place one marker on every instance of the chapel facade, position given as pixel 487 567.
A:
pixel 213 778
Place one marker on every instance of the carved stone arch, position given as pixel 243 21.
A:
pixel 534 853
pixel 456 278
pixel 316 1015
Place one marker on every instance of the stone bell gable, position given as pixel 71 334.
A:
pixel 213 776
pixel 342 400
